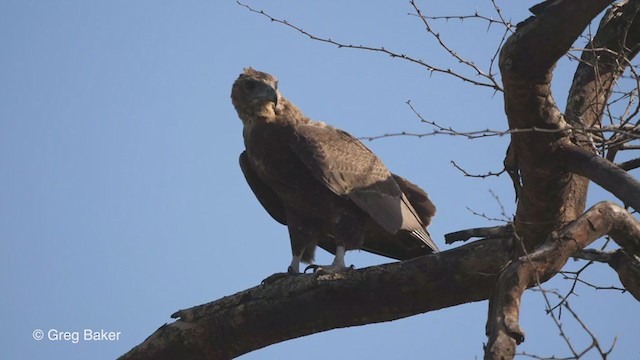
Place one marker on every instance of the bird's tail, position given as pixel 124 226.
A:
pixel 424 235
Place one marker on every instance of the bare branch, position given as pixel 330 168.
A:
pixel 431 68
pixel 495 232
pixel 630 165
pixel 487 217
pixel 475 16
pixel 542 163
pixel 482 176
pixel 503 212
pixel 602 64
pixel 630 133
pixel 593 255
pixel 594 341
pixel 602 172
pixel 534 268
pixel 458 58
pixel 502 19
pixel 595 344
pixel 556 320
pixel 462 18
pixel 569 275
pixel 526 75
pixel 627 265
pixel 243 322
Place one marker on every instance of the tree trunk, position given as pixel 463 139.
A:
pixel 553 167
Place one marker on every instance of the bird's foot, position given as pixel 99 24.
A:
pixel 328 269
pixel 279 276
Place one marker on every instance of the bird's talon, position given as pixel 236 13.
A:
pixel 312 267
pixel 328 269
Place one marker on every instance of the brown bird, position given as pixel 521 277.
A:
pixel 323 184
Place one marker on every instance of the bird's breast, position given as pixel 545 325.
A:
pixel 275 162
pixel 271 156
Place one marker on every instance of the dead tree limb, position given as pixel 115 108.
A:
pixel 617 42
pixel 531 269
pixel 552 194
pixel 493 232
pixel 601 171
pixel 628 268
pixel 255 318
pixel 308 304
pixel 549 198
pixel 630 165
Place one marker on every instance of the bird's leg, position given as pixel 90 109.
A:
pixel 335 267
pixel 294 268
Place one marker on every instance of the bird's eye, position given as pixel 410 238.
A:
pixel 250 85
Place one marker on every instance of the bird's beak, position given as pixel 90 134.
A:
pixel 269 94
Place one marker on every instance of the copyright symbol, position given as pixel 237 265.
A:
pixel 38 334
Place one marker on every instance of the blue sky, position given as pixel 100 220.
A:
pixel 121 198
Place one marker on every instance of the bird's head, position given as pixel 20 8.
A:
pixel 255 95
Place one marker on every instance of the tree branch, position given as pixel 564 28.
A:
pixel 545 200
pixel 628 268
pixel 490 83
pixel 494 232
pixel 307 304
pixel 602 62
pixel 630 165
pixel 601 171
pixel 555 30
pixel 253 318
pixel 551 196
pixel 533 269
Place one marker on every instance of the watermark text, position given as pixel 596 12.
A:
pixel 76 336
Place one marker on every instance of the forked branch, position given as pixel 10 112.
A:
pixel 534 268
pixel 490 82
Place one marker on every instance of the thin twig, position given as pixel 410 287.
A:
pixel 431 68
pixel 449 50
pixel 482 176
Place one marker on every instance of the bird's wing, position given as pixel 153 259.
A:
pixel 267 197
pixel 418 199
pixel 350 169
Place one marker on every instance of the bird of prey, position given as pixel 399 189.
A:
pixel 327 187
